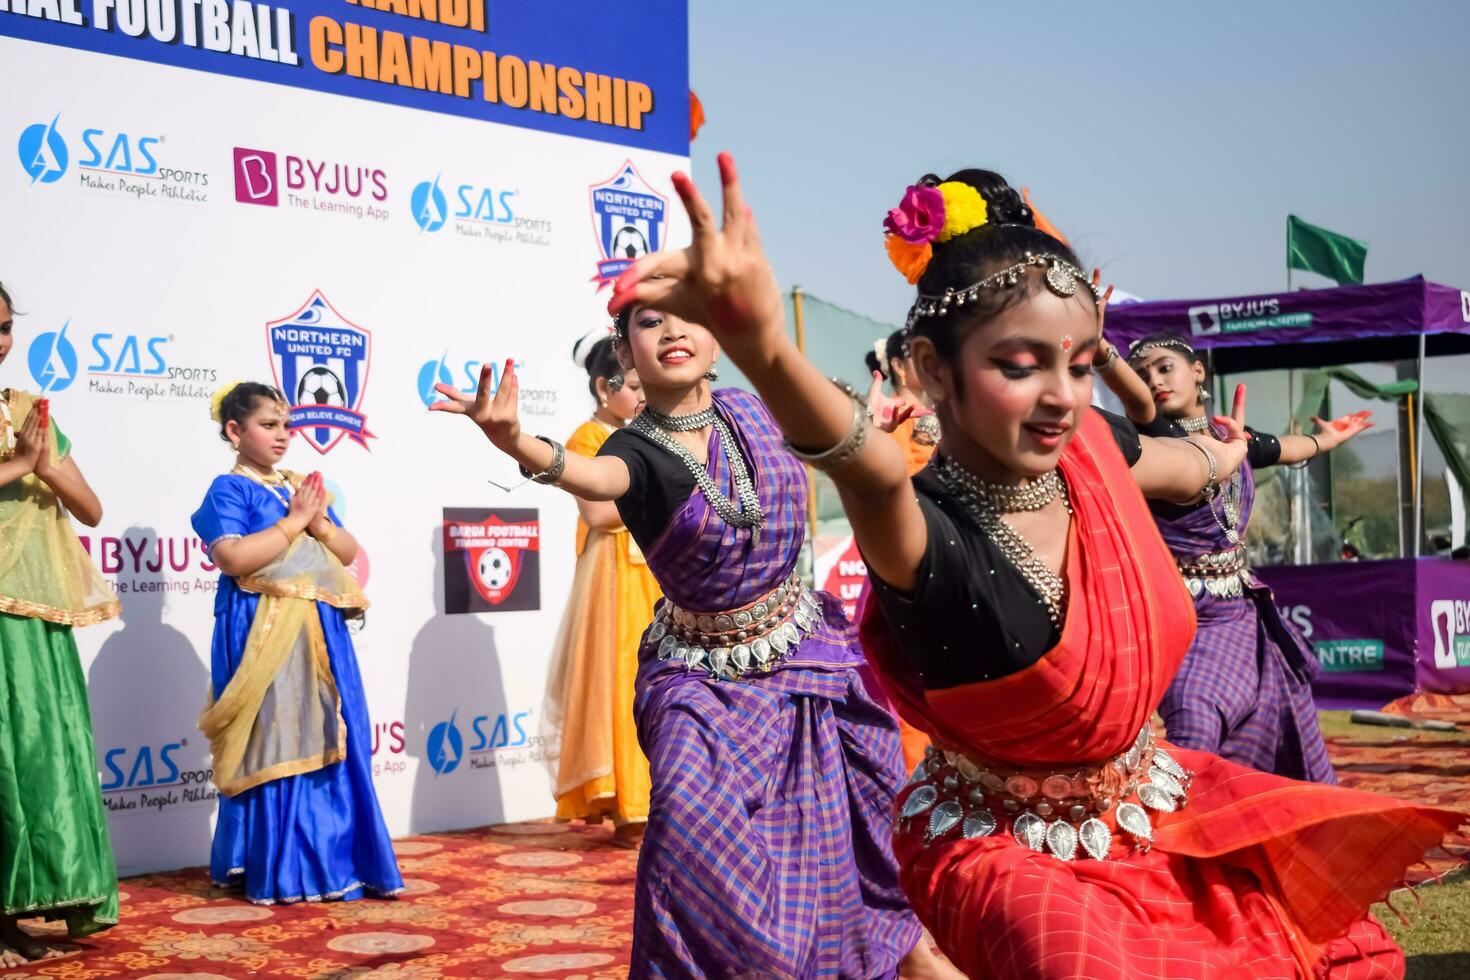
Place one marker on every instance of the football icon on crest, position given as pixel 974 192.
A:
pixel 320 386
pixel 494 569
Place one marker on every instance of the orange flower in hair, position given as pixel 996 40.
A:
pixel 910 258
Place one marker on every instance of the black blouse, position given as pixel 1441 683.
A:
pixel 972 616
pixel 1264 450
pixel 658 484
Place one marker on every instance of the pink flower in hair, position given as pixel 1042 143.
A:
pixel 919 217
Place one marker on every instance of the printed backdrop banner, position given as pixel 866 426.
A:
pixel 354 201
pixel 1381 629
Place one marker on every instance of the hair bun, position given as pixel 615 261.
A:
pixel 218 399
pixel 1007 206
pixel 587 341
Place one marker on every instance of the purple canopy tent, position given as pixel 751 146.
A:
pixel 1406 308
pixel 1381 629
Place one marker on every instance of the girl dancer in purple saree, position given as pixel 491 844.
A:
pixel 767 852
pixel 1244 690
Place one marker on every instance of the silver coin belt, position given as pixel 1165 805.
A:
pixel 747 640
pixel 1222 574
pixel 1060 813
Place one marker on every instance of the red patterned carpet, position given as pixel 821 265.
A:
pixel 528 900
pixel 1428 770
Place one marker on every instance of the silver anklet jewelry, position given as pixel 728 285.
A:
pixel 554 469
pixel 848 448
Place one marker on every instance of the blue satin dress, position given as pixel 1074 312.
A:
pixel 319 835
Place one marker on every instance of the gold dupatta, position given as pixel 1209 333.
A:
pixel 280 715
pixel 45 573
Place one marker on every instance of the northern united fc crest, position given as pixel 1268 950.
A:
pixel 321 362
pixel 491 559
pixel 628 217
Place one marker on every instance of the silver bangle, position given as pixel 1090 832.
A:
pixel 1107 361
pixel 1212 484
pixel 848 448
pixel 555 469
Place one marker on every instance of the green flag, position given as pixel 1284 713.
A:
pixel 1324 252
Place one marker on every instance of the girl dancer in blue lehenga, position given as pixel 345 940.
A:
pixel 287 722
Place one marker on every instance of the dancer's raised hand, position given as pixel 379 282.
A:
pixel 1230 451
pixel 498 414
pixel 1330 435
pixel 722 280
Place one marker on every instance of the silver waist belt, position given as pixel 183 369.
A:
pixel 1055 811
pixel 735 642
pixel 1222 574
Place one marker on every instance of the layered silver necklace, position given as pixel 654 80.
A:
pixel 1229 495
pixel 657 427
pixel 988 503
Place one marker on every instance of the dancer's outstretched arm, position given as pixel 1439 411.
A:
pixel 498 416
pixel 723 281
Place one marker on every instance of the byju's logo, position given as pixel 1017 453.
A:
pixel 430 209
pixel 446 746
pixel 1204 321
pixel 321 361
pixel 53 360
pixel 255 177
pixel 43 152
pixel 1450 621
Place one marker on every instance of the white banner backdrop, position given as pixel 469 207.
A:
pixel 157 221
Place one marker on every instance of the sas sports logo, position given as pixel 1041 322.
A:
pixel 440 372
pixel 446 746
pixel 53 360
pixel 321 361
pixel 430 207
pixel 43 152
pixel 628 217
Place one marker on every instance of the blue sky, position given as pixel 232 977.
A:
pixel 1168 140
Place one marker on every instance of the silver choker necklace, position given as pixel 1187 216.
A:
pixel 1194 425
pixel 989 502
pixel 682 423
pixel 748 512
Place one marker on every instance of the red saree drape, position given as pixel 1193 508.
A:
pixel 1256 876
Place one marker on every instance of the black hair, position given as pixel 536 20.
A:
pixel 1169 341
pixel 895 348
pixel 602 362
pixel 9 303
pixel 242 400
pixel 1008 234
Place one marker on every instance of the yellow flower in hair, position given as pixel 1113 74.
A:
pixel 218 399
pixel 964 209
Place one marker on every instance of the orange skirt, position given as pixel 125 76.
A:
pixel 602 771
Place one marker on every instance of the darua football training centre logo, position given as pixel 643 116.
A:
pixel 321 362
pixel 628 217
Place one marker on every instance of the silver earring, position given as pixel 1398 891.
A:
pixel 712 375
pixel 616 382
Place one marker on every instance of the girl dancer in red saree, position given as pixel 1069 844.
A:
pixel 1028 616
